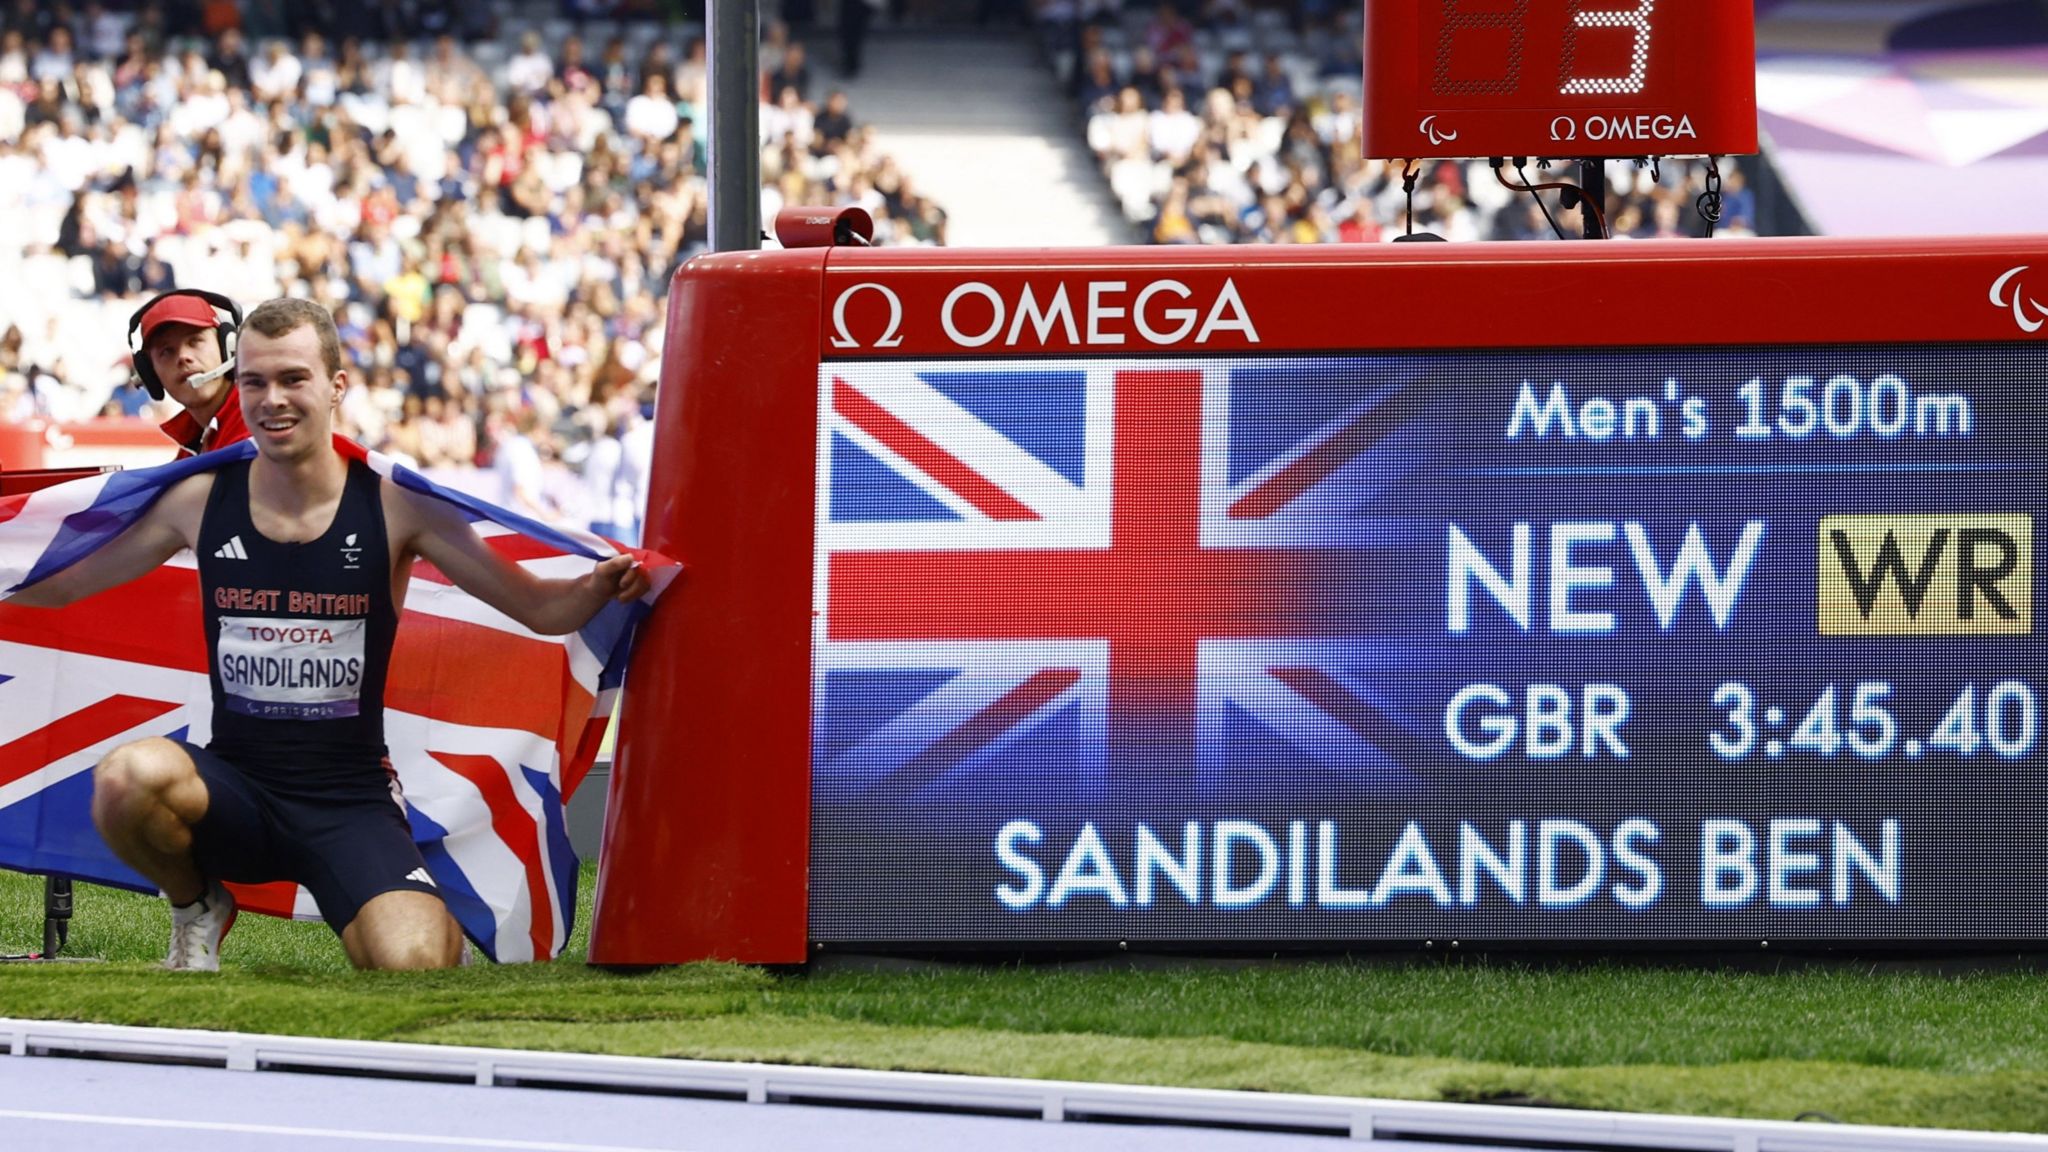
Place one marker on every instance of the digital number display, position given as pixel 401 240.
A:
pixel 1483 51
pixel 1637 643
pixel 1581 78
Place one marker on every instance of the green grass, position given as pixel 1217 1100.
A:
pixel 1863 1046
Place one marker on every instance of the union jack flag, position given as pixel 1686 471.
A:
pixel 1106 576
pixel 490 727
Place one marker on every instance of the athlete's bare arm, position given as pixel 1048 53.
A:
pixel 171 524
pixel 433 530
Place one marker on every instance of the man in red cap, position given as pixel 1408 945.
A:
pixel 183 343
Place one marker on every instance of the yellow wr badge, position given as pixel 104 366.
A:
pixel 1927 575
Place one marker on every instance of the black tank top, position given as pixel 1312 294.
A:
pixel 298 638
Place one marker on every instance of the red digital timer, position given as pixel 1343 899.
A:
pixel 1569 78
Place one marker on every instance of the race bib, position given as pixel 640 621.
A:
pixel 292 669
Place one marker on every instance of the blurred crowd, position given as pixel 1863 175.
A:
pixel 492 197
pixel 491 206
pixel 1226 123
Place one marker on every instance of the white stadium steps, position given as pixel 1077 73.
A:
pixel 979 123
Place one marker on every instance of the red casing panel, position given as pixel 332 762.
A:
pixel 1698 92
pixel 707 834
pixel 708 824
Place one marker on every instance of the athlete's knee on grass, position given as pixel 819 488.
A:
pixel 403 931
pixel 137 777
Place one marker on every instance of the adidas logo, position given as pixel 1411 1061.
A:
pixel 420 874
pixel 232 550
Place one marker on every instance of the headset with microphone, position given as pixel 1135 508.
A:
pixel 227 324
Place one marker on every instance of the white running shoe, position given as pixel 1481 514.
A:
pixel 197 930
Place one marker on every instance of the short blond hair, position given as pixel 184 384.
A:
pixel 288 314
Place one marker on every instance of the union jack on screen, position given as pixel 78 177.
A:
pixel 490 727
pixel 1095 576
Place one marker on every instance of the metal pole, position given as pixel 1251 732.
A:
pixel 1593 185
pixel 735 59
pixel 56 914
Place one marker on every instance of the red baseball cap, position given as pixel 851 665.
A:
pixel 179 309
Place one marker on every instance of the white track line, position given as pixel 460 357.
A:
pixel 1054 1100
pixel 319 1133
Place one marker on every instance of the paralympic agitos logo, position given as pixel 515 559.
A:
pixel 2020 302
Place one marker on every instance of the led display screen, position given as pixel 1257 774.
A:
pixel 1559 77
pixel 1727 643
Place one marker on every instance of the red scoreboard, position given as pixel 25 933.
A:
pixel 1307 596
pixel 1576 78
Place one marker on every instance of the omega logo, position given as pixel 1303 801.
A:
pixel 1096 314
pixel 1565 129
pixel 891 335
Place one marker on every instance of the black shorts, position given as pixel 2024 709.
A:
pixel 345 850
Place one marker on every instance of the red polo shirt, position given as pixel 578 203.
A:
pixel 226 428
